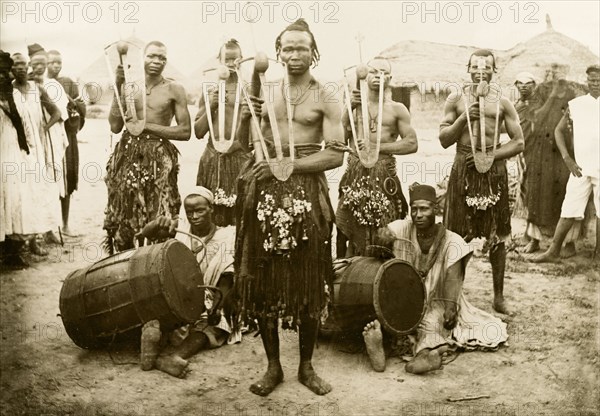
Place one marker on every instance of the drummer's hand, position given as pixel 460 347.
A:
pixel 385 237
pixel 450 316
pixel 166 224
pixel 355 99
pixel 262 171
pixel 256 104
pixel 119 75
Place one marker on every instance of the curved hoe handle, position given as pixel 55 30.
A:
pixel 361 133
pixel 126 99
pixel 197 250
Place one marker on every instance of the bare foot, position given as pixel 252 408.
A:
pixel 69 233
pixel 568 250
pixel 546 257
pixel 532 246
pixel 272 378
pixel 308 377
pixel 500 306
pixel 426 360
pixel 150 344
pixel 374 342
pixel 173 365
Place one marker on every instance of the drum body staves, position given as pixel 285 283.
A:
pixel 369 288
pixel 126 290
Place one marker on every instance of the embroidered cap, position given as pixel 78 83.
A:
pixel 422 192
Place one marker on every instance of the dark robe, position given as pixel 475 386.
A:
pixel 546 174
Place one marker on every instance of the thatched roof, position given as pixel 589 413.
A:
pixel 420 62
pixel 429 63
pixel 541 52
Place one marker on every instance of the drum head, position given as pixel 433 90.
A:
pixel 399 297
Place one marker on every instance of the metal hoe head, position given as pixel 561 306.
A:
pixel 131 97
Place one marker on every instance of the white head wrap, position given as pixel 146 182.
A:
pixel 203 192
pixel 525 77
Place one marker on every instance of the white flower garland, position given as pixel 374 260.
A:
pixel 221 198
pixel 277 219
pixel 367 201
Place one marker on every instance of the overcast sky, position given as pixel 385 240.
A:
pixel 193 31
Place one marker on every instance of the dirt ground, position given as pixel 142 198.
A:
pixel 549 366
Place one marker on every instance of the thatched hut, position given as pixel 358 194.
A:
pixel 431 68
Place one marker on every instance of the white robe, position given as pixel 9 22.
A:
pixel 215 259
pixel 475 328
pixel 11 187
pixel 30 203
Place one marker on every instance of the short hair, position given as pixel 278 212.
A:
pixel 154 43
pixel 483 53
pixel 381 58
pixel 592 68
pixel 300 25
pixel 230 44
pixel 53 52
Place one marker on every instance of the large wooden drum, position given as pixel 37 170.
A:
pixel 368 288
pixel 126 290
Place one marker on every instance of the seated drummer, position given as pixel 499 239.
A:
pixel 440 256
pixel 217 269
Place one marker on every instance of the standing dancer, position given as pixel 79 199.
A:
pixel 141 175
pixel 397 137
pixel 283 243
pixel 218 171
pixel 477 202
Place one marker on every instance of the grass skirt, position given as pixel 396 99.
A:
pixel 141 177
pixel 218 170
pixel 290 284
pixel 361 236
pixel 470 222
